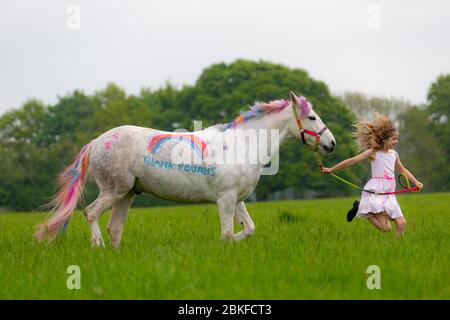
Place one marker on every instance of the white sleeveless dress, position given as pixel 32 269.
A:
pixel 383 180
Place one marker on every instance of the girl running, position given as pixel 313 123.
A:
pixel 377 139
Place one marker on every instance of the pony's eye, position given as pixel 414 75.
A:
pixel 312 118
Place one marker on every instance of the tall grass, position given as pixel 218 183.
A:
pixel 301 250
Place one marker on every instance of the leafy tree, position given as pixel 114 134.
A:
pixel 439 108
pixel 439 99
pixel 439 111
pixel 23 125
pixel 420 150
pixel 167 110
pixel 64 120
pixel 24 173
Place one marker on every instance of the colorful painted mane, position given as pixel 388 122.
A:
pixel 261 109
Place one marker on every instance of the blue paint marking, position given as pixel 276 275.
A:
pixel 180 167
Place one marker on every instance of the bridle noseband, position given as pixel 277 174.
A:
pixel 306 131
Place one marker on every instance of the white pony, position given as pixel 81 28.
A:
pixel 128 160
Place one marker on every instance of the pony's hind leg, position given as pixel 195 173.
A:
pixel 118 216
pixel 242 217
pixel 93 213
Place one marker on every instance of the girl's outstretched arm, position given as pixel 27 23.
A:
pixel 400 168
pixel 350 161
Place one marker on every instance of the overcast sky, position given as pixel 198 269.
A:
pixel 389 48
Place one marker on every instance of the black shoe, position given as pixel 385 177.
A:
pixel 352 212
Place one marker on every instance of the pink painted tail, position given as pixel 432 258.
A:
pixel 70 186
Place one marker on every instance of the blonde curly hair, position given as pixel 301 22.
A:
pixel 375 133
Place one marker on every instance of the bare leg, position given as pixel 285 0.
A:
pixel 227 205
pixel 401 225
pixel 374 221
pixel 380 221
pixel 242 217
pixel 93 213
pixel 118 216
pixel 385 221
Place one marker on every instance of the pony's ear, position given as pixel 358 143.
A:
pixel 294 99
pixel 305 107
pixel 302 103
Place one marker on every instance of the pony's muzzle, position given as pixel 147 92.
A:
pixel 330 148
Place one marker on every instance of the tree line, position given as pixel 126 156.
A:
pixel 38 141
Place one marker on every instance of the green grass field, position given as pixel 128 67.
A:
pixel 301 250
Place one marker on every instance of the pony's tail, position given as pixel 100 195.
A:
pixel 70 186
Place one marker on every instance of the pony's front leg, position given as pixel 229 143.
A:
pixel 242 217
pixel 227 204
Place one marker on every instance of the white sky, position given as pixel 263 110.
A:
pixel 145 43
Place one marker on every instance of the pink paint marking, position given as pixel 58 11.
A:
pixel 108 144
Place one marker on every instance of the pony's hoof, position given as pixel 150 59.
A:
pixel 239 236
pixel 97 243
pixel 227 235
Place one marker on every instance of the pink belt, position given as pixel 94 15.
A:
pixel 385 177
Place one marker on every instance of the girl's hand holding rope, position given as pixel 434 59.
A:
pixel 326 170
pixel 419 185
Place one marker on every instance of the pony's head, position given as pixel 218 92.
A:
pixel 306 125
